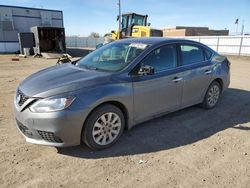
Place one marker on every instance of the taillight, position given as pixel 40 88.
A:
pixel 228 63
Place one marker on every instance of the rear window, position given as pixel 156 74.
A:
pixel 191 54
pixel 207 53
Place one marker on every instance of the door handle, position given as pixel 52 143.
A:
pixel 208 72
pixel 177 79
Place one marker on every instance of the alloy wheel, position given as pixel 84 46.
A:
pixel 213 95
pixel 106 128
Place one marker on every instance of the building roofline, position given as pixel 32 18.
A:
pixel 11 6
pixel 191 27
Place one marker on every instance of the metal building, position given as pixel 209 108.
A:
pixel 14 20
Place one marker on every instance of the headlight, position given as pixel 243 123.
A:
pixel 135 30
pixel 51 105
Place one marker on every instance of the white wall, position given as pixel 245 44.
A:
pixel 228 45
pixel 83 42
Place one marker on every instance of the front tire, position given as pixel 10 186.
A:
pixel 212 95
pixel 103 127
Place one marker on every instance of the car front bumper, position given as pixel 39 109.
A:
pixel 59 129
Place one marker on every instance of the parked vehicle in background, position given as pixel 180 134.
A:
pixel 115 87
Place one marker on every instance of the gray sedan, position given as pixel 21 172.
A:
pixel 115 87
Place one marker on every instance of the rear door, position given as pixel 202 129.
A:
pixel 197 73
pixel 160 92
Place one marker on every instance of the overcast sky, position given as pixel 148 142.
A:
pixel 84 16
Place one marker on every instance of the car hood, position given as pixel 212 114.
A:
pixel 61 79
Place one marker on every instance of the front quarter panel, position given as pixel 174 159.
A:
pixel 118 92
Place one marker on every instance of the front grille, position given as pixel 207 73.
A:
pixel 24 129
pixel 21 98
pixel 49 136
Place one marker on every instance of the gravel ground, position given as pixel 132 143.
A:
pixel 189 148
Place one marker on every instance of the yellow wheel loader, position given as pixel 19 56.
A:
pixel 134 25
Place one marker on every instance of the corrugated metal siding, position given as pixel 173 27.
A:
pixel 9 47
pixel 21 20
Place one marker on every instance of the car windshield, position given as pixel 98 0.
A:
pixel 112 57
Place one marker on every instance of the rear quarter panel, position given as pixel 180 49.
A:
pixel 221 70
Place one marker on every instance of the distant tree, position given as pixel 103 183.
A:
pixel 94 34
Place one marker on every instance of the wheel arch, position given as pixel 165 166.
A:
pixel 115 103
pixel 220 81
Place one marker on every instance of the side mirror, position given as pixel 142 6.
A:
pixel 149 24
pixel 113 31
pixel 74 62
pixel 98 45
pixel 146 70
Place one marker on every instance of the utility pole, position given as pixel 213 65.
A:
pixel 120 22
pixel 237 22
pixel 237 28
pixel 242 28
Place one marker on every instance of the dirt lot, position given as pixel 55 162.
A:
pixel 190 148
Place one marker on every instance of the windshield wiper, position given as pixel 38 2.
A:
pixel 91 68
pixel 87 67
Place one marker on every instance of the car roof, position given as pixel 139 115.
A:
pixel 154 40
pixel 157 40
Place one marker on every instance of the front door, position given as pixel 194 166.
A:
pixel 160 92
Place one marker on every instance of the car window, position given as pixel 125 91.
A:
pixel 112 57
pixel 162 58
pixel 191 54
pixel 114 53
pixel 207 54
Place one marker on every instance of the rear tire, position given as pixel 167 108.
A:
pixel 103 127
pixel 212 95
